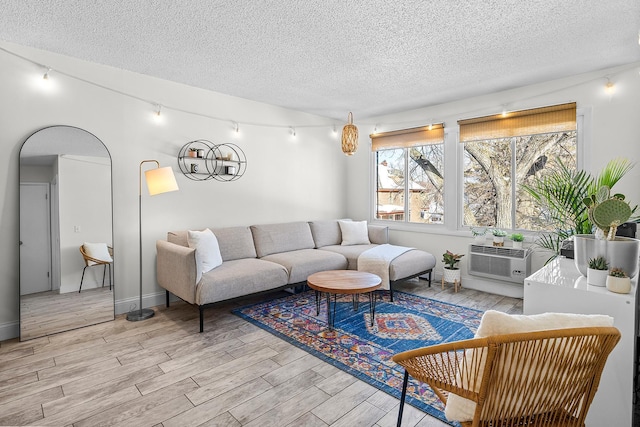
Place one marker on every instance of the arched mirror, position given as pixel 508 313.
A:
pixel 66 238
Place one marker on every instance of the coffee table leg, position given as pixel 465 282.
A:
pixel 372 306
pixel 318 297
pixel 356 300
pixel 329 319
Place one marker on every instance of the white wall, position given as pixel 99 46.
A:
pixel 614 132
pixel 84 189
pixel 287 178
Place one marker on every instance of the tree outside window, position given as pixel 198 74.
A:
pixel 496 169
pixel 506 151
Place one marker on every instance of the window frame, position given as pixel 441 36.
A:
pixel 453 169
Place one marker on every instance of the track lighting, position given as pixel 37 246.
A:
pixel 293 131
pixel 45 77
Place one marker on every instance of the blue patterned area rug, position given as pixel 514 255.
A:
pixel 363 350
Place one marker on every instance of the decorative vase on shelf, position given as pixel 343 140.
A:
pixel 517 245
pixel 480 239
pixel 498 240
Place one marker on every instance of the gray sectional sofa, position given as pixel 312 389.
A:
pixel 266 257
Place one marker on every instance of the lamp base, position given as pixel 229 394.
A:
pixel 142 314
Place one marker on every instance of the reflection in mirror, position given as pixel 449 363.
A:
pixel 65 203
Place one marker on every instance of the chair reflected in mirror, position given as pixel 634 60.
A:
pixel 96 254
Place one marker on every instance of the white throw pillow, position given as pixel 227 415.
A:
pixel 354 232
pixel 499 323
pixel 207 251
pixel 98 251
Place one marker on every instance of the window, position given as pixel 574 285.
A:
pixel 409 175
pixel 501 153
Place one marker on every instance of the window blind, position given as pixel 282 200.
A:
pixel 408 137
pixel 554 118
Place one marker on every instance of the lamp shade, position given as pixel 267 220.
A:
pixel 349 137
pixel 160 180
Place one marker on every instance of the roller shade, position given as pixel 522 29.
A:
pixel 555 118
pixel 408 137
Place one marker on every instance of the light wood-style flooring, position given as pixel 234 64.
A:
pixel 162 372
pixel 47 313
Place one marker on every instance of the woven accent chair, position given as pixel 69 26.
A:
pixel 544 378
pixel 90 261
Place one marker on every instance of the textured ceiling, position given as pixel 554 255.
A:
pixel 329 57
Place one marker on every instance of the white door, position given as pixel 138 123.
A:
pixel 35 246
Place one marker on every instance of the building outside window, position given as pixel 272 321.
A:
pixel 409 175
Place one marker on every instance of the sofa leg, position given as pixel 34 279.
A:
pixel 390 293
pixel 201 318
pixel 167 298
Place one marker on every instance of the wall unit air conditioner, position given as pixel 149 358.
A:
pixel 508 264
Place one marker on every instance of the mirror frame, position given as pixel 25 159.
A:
pixel 58 152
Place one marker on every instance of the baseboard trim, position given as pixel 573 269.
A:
pixel 513 290
pixel 9 330
pixel 149 300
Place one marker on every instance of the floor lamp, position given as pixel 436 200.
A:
pixel 159 180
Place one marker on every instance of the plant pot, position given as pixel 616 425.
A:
pixel 451 276
pixel 498 240
pixel 517 245
pixel 619 285
pixel 621 253
pixel 597 277
pixel 480 240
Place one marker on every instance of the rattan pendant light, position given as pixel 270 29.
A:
pixel 349 137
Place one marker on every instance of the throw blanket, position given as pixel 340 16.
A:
pixel 376 260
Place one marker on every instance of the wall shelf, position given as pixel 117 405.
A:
pixel 222 162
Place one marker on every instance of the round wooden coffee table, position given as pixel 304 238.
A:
pixel 349 282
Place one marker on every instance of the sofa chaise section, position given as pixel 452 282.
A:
pixel 413 263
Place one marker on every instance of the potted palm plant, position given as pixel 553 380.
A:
pixel 598 271
pixel 451 270
pixel 560 194
pixel 618 281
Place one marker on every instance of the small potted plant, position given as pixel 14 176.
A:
pixel 517 239
pixel 498 237
pixel 451 270
pixel 597 272
pixel 618 281
pixel 478 235
pixel 193 152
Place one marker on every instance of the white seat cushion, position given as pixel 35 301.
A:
pixel 499 323
pixel 97 251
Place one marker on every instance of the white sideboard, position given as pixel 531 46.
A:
pixel 559 287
